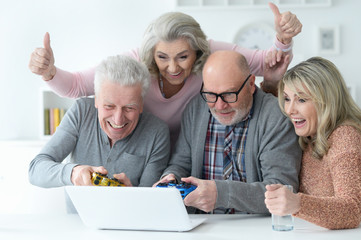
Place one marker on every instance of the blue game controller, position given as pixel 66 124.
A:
pixel 183 187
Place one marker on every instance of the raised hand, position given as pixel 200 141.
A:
pixel 275 66
pixel 42 60
pixel 287 24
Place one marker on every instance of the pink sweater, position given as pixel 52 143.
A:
pixel 170 110
pixel 330 188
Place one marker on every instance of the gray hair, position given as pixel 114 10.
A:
pixel 123 70
pixel 173 26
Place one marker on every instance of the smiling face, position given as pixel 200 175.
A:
pixel 229 113
pixel 119 108
pixel 175 60
pixel 222 74
pixel 302 111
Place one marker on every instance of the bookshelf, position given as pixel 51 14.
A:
pixel 50 100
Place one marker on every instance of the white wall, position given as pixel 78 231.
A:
pixel 17 194
pixel 83 32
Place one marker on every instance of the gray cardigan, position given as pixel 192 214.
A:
pixel 142 155
pixel 272 153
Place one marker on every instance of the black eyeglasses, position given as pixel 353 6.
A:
pixel 227 97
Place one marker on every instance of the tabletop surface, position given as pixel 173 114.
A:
pixel 70 226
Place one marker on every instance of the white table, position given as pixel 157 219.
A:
pixel 220 227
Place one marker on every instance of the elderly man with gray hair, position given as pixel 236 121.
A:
pixel 109 134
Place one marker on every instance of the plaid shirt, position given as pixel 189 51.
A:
pixel 213 162
pixel 214 149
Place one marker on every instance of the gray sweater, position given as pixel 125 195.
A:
pixel 142 156
pixel 272 153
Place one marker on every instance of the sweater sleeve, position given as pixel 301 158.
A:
pixel 343 210
pixel 46 169
pixel 187 158
pixel 73 85
pixel 272 155
pixel 78 84
pixel 255 58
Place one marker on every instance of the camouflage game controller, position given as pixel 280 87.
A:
pixel 99 179
pixel 183 187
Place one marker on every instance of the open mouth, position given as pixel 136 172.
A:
pixel 175 74
pixel 117 126
pixel 298 121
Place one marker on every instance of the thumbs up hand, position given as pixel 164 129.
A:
pixel 287 24
pixel 42 60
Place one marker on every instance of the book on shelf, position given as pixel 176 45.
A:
pixel 47 121
pixel 56 118
pixel 52 119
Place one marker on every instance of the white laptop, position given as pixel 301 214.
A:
pixel 132 208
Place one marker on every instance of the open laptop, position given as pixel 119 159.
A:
pixel 132 208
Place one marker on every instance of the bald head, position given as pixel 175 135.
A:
pixel 227 72
pixel 225 62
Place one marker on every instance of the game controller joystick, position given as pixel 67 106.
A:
pixel 183 187
pixel 99 179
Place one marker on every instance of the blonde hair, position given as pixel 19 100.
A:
pixel 324 84
pixel 173 26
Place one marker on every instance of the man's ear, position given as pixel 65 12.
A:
pixel 252 83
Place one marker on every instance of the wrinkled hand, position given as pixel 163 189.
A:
pixel 166 179
pixel 122 177
pixel 82 174
pixel 204 197
pixel 287 24
pixel 275 66
pixel 42 60
pixel 281 201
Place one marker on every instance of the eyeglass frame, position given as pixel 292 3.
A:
pixel 221 94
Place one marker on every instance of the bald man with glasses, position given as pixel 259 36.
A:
pixel 234 141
